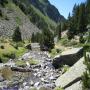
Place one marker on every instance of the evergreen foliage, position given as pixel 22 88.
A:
pixel 17 35
pixel 46 39
pixel 3 2
pixel 86 75
pixel 79 19
pixel 58 30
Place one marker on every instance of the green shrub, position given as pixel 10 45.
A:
pixel 86 74
pixel 65 68
pixel 2 47
pixel 10 55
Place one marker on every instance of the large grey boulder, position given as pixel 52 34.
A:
pixel 76 86
pixel 69 57
pixel 72 75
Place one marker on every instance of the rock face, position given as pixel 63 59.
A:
pixel 72 76
pixel 68 57
pixel 16 18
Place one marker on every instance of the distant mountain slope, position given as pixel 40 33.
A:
pixel 47 9
pixel 41 9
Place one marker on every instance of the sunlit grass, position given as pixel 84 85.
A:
pixel 23 62
pixel 9 50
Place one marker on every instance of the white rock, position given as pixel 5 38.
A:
pixel 32 83
pixel 51 78
pixel 24 84
pixel 36 84
pixel 42 79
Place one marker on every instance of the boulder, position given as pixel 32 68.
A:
pixel 76 86
pixel 69 57
pixel 72 75
pixel 1 78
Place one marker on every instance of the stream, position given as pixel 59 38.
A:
pixel 42 74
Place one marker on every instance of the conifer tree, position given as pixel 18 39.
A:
pixel 58 30
pixel 17 35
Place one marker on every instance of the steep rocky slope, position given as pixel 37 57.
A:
pixel 13 17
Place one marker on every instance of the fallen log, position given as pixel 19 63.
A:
pixel 20 69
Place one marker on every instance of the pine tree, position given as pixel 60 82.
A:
pixel 17 35
pixel 58 31
pixel 82 19
pixel 88 11
pixel 70 33
pixel 86 75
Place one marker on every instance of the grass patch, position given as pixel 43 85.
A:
pixel 58 88
pixel 22 63
pixel 33 61
pixel 69 43
pixel 10 51
pixel 55 52
pixel 18 21
pixel 65 68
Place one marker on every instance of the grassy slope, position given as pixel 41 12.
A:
pixel 9 49
pixel 46 18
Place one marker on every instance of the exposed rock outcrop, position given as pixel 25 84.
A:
pixel 16 18
pixel 72 76
pixel 76 86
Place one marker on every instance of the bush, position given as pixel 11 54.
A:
pixel 3 2
pixel 86 74
pixel 81 39
pixel 2 47
pixel 10 55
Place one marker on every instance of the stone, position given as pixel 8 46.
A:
pixel 31 83
pixel 52 78
pixel 36 84
pixel 76 86
pixel 69 57
pixel 1 78
pixel 72 75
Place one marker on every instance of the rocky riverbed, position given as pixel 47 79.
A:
pixel 42 74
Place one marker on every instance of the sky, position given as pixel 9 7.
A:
pixel 65 6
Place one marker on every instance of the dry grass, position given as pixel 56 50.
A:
pixel 6 73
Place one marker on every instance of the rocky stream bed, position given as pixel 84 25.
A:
pixel 41 75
